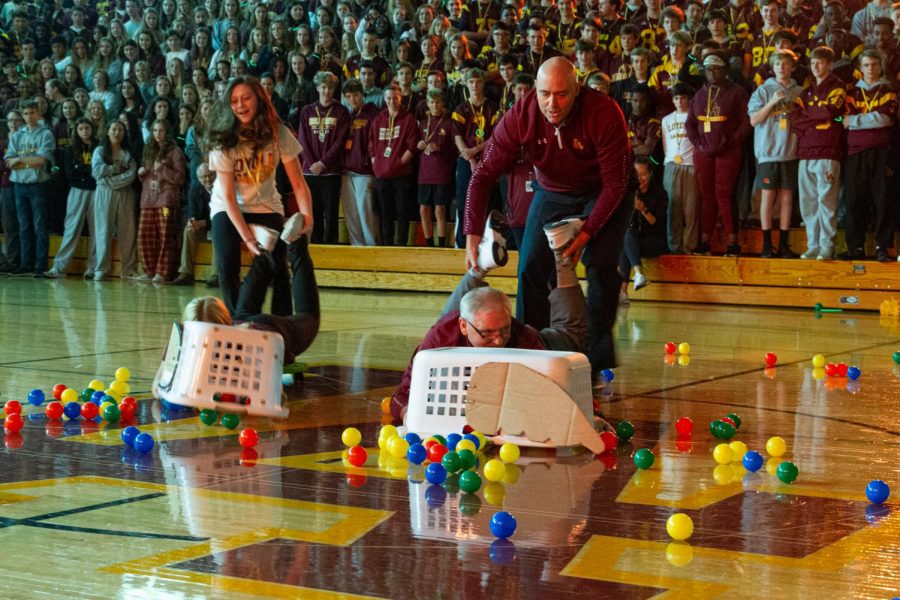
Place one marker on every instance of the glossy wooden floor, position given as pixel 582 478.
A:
pixel 81 517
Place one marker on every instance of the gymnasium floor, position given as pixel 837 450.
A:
pixel 83 517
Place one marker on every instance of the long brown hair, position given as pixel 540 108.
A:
pixel 224 129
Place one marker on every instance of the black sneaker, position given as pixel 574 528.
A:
pixel 183 279
pixel 702 249
pixel 733 250
pixel 856 254
pixel 38 275
pixel 20 272
pixel 786 252
pixel 881 255
pixel 213 281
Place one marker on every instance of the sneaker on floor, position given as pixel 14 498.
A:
pixel 183 279
pixel 733 250
pixel 881 255
pixel 810 253
pixel 786 252
pixel 702 249
pixel 53 274
pixel 561 234
pixel 292 228
pixel 492 249
pixel 100 276
pixel 640 281
pixel 135 277
pixel 212 281
pixel 88 275
pixel 38 275
pixel 857 254
pixel 20 272
pixel 623 298
pixel 159 279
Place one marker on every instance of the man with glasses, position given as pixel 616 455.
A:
pixel 478 316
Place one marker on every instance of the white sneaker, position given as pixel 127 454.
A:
pixel 492 249
pixel 561 233
pixel 159 279
pixel 292 228
pixel 100 276
pixel 142 277
pixel 813 252
pixel 623 298
pixel 53 274
pixel 640 281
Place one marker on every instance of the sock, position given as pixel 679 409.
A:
pixel 783 239
pixel 565 273
pixel 429 242
pixel 767 240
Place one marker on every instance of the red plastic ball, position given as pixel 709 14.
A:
pixel 131 400
pixel 54 428
pixel 13 423
pixel 684 426
pixel 429 443
pixel 842 370
pixel 126 411
pixel 609 460
pixel 437 452
pixel 249 456
pixel 58 389
pixel 729 420
pixel 13 407
pixel 248 437
pixel 684 444
pixel 671 347
pixel 831 369
pixel 54 410
pixel 356 480
pixel 771 359
pixel 13 440
pixel 89 411
pixel 357 456
pixel 467 429
pixel 610 440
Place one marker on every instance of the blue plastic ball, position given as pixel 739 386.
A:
pixel 97 397
pixel 36 397
pixel 72 410
pixel 853 373
pixel 129 434
pixel 143 443
pixel 753 461
pixel 435 473
pixel 877 491
pixel 607 374
pixel 452 440
pixel 413 438
pixel 416 454
pixel 503 524
pixel 474 439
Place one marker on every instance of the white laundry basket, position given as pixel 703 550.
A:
pixel 226 368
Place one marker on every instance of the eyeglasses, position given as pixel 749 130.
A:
pixel 493 333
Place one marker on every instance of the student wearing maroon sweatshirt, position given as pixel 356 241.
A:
pixel 392 143
pixel 717 126
pixel 322 131
pixel 577 140
pixel 357 181
pixel 871 107
pixel 437 161
pixel 817 123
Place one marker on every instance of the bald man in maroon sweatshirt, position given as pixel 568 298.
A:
pixel 577 140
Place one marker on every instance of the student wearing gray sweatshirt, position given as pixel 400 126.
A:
pixel 775 146
pixel 29 157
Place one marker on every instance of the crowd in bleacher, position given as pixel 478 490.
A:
pixel 741 114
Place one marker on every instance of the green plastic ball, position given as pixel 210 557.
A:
pixel 451 462
pixel 787 472
pixel 714 428
pixel 469 482
pixel 643 459
pixel 467 459
pixel 726 431
pixel 734 417
pixel 208 416
pixel 230 420
pixel 441 439
pixel 111 413
pixel 896 357
pixel 624 429
pixel 86 394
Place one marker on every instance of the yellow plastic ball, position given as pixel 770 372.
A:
pixel 494 470
pixel 123 374
pixel 119 387
pixel 351 437
pixel 96 385
pixel 723 454
pixel 114 394
pixel 386 405
pixel 494 493
pixel 482 440
pixel 69 395
pixel 397 446
pixel 722 474
pixel 512 474
pixel 384 440
pixel 680 527
pixel 818 374
pixel 103 407
pixel 684 348
pixel 818 361
pixel 684 360
pixel 679 554
pixel 739 449
pixel 388 431
pixel 465 445
pixel 776 447
pixel 509 452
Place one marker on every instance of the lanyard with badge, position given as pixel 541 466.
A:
pixel 390 136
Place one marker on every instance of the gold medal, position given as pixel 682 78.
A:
pixel 678 159
pixel 322 136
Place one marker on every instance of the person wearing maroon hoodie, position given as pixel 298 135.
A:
pixel 717 125
pixel 871 107
pixel 392 144
pixel 817 123
pixel 577 140
pixel 322 131
pixel 357 181
pixel 437 161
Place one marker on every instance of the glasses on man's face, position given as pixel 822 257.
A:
pixel 490 334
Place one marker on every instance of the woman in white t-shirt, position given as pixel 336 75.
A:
pixel 247 141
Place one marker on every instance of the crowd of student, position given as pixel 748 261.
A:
pixel 107 104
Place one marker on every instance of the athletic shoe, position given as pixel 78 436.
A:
pixel 702 249
pixel 212 281
pixel 159 279
pixel 143 277
pixel 857 254
pixel 20 272
pixel 813 252
pixel 88 275
pixel 492 249
pixel 53 274
pixel 292 228
pixel 640 281
pixel 38 275
pixel 881 255
pixel 786 252
pixel 183 279
pixel 561 234
pixel 733 250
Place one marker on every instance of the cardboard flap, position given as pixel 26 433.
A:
pixel 520 401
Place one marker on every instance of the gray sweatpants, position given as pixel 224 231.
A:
pixel 79 206
pixel 680 184
pixel 820 183
pixel 114 214
pixel 358 207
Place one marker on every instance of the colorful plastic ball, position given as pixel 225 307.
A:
pixel 452 440
pixel 607 374
pixel 388 431
pixel 129 434
pixel 429 443
pixel 111 413
pixel 437 452
pixel 680 527
pixel 738 449
pixel 735 419
pixel 726 430
pixel 351 437
pixel 96 385
pixel 684 348
pixel 494 470
pixel 670 347
pixel 58 389
pixel 643 458
pixel 465 444
pixel 467 459
pixel 502 552
pixel 440 439
pixel 723 454
pixel 818 361
pixel 729 421
pixel 386 405
pixel 98 396
pixel 416 454
pixel 54 410
pixel 771 359
pixel 13 423
pixel 853 373
pixel 126 411
pixel 474 439
pixel 625 430
pixel 123 374
pixel 89 411
pixel 69 395
pixel 86 394
pixel 503 525
pixel 398 447
pixel 481 438
pixel 831 369
pixel 435 473
pixel 357 456
pixel 684 426
pixel 753 461
pixel 413 438
pixel 787 472
pixel 230 421
pixel 143 443
pixel 36 397
pixel 684 360
pixel 610 440
pixel 877 491
pixel 469 482
pixel 208 416
pixel 248 437
pixel 451 462
pixel 896 357
pixel 509 452
pixel 842 369
pixel 12 407
pixel 776 447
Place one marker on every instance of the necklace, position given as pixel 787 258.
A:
pixel 320 124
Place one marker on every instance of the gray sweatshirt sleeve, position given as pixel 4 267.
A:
pixel 872 120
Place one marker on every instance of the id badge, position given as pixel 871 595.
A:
pixel 387 152
pixel 782 123
pixel 154 185
pixel 529 186
pixel 707 127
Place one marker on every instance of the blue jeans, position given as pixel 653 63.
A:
pixel 34 236
pixel 463 175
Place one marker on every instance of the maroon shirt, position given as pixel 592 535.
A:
pixel 437 167
pixel 399 138
pixel 590 156
pixel 381 66
pixel 880 98
pixel 729 123
pixel 519 192
pixel 468 121
pixel 819 135
pixel 356 147
pixel 317 121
